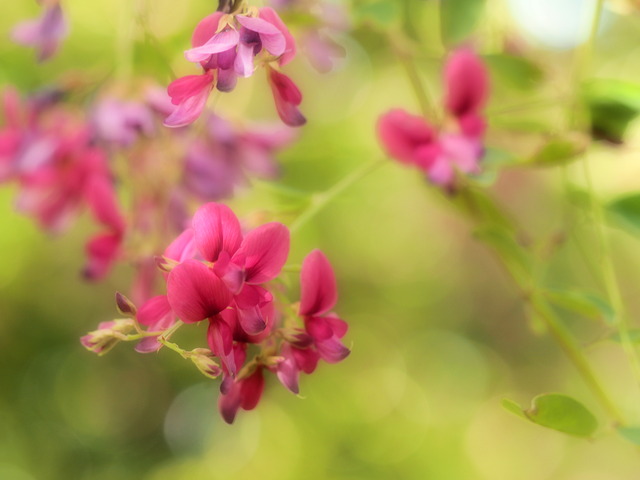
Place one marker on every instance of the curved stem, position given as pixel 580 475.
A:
pixel 320 200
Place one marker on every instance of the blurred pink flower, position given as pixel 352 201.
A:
pixel 44 33
pixel 410 139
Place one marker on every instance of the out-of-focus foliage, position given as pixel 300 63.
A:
pixel 439 335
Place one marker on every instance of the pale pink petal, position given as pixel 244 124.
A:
pixel 258 25
pixel 332 350
pixel 190 93
pixel 206 29
pixel 272 17
pixel 216 229
pixel 220 42
pixel 265 250
pixel 318 292
pixel 243 65
pixel 288 372
pixel 195 292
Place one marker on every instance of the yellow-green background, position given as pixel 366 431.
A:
pixel 438 333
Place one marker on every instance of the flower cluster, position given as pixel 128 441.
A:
pixel 410 139
pixel 217 274
pixel 50 154
pixel 44 33
pixel 228 46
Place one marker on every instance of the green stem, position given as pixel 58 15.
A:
pixel 538 303
pixel 610 279
pixel 320 200
pixel 406 59
pixel 563 337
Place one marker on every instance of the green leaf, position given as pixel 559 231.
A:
pixel 513 407
pixel 458 19
pixel 557 412
pixel 558 151
pixel 562 413
pixel 625 211
pixel 613 104
pixel 585 304
pixel 516 71
pixel 381 12
pixel 631 434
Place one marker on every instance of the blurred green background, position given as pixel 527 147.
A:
pixel 438 333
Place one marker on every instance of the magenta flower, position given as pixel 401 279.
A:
pixel 244 393
pixel 411 140
pixel 190 94
pixel 234 268
pixel 287 97
pixel 226 46
pixel 467 84
pixel 44 33
pixel 323 330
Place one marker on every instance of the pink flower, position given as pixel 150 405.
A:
pixel 226 47
pixel 287 97
pixel 198 291
pixel 411 140
pixel 190 94
pixel 121 123
pixel 467 84
pixel 244 393
pixel 44 33
pixel 323 330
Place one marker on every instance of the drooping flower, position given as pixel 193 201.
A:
pixel 228 46
pixel 190 95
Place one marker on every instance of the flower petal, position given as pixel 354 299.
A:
pixel 467 82
pixel 195 292
pixel 243 64
pixel 401 134
pixel 206 28
pixel 288 372
pixel 272 17
pixel 220 42
pixel 287 97
pixel 318 292
pixel 153 311
pixel 216 229
pixel 332 350
pixel 265 250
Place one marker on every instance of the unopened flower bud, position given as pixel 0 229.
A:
pixel 107 335
pixel 125 306
pixel 203 359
